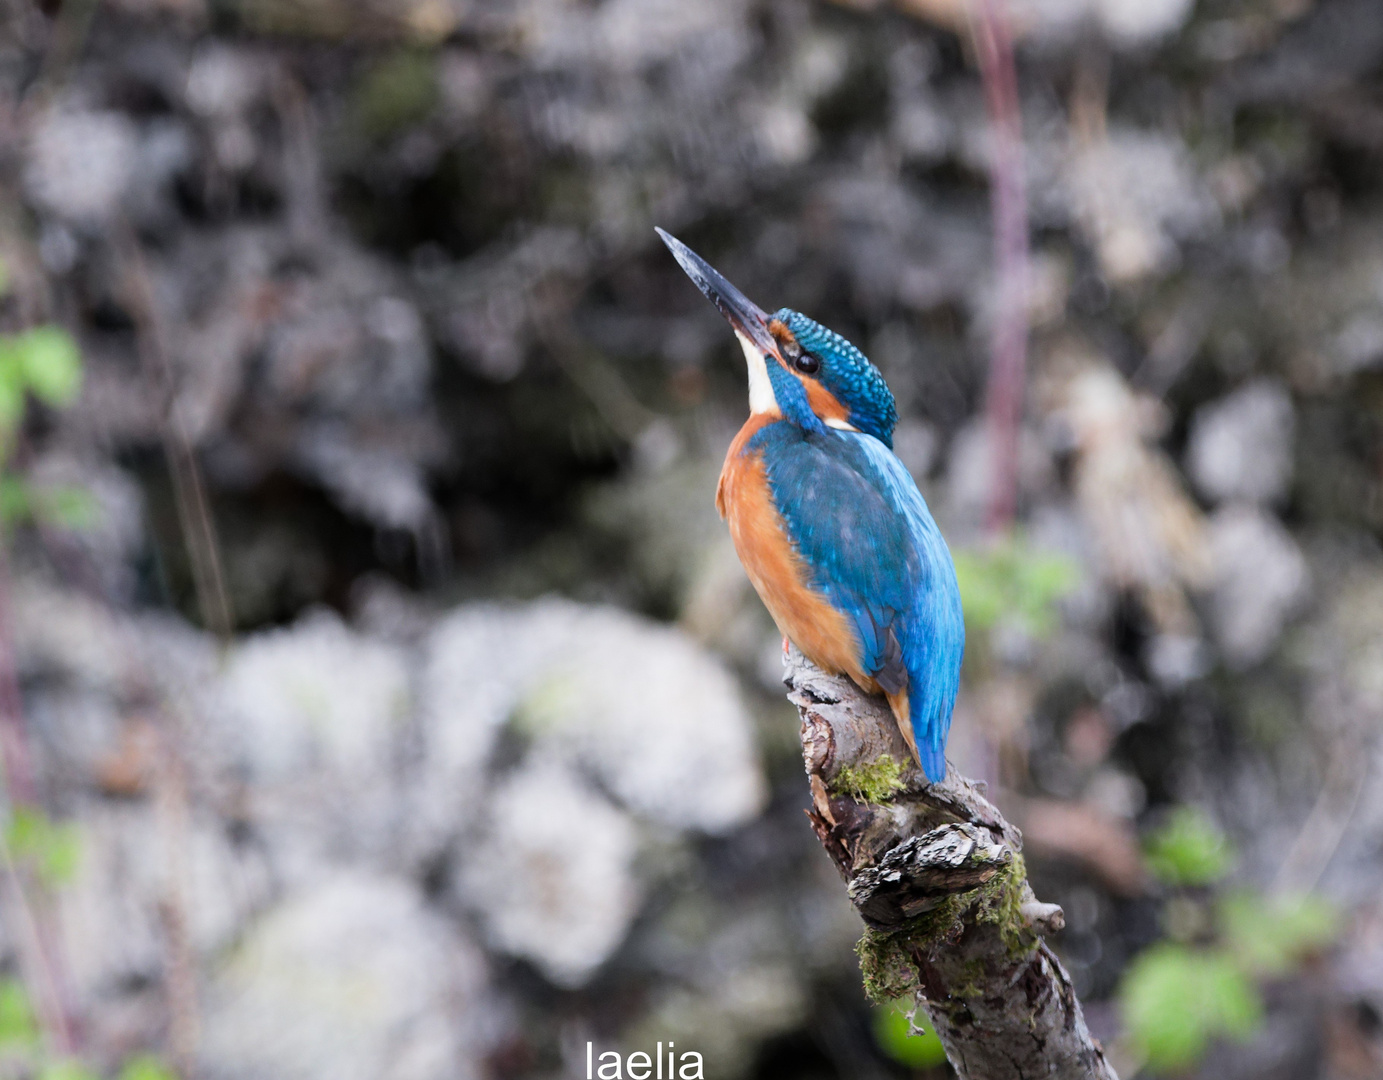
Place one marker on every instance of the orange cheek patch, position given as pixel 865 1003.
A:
pixel 777 572
pixel 823 402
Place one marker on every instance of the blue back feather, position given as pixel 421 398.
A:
pixel 857 519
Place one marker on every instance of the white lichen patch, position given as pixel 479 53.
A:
pixel 654 716
pixel 553 879
pixel 354 979
pixel 313 697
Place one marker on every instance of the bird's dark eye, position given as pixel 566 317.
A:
pixel 799 358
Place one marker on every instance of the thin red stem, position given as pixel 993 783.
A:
pixel 1009 201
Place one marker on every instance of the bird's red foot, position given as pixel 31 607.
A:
pixel 786 644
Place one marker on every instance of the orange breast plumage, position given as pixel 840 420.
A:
pixel 777 572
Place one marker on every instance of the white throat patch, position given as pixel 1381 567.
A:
pixel 761 398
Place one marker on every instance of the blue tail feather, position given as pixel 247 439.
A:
pixel 933 761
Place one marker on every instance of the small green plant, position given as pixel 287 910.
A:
pixel 1176 998
pixel 18 1028
pixel 1013 582
pixel 1188 850
pixel 22 1044
pixel 905 1034
pixel 146 1067
pixel 1269 936
pixel 52 849
pixel 43 363
pixel 1178 995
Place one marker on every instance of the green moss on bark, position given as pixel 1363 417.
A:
pixel 1000 903
pixel 887 960
pixel 874 781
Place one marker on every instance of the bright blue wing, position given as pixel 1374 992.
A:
pixel 934 634
pixel 859 522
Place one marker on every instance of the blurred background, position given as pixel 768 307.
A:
pixel 380 696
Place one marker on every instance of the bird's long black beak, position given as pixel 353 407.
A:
pixel 743 315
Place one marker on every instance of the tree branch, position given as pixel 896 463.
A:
pixel 937 875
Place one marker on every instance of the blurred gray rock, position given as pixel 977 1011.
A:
pixel 80 162
pixel 654 717
pixel 553 878
pixel 316 696
pixel 106 526
pixel 1136 194
pixel 135 862
pixel 970 471
pixel 1241 446
pixel 1259 578
pixel 351 979
pixel 314 719
pixel 1125 23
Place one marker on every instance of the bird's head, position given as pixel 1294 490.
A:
pixel 797 368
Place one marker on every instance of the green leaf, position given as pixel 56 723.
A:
pixel 1272 935
pixel 894 1034
pixel 146 1067
pixel 52 364
pixel 18 1029
pixel 1175 999
pixel 54 849
pixel 1189 849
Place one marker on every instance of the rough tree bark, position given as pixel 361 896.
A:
pixel 937 875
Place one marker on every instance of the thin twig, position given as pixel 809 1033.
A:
pixel 189 490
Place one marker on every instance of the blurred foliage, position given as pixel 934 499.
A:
pixel 1015 583
pixel 44 362
pixel 1271 935
pixel 53 849
pixel 146 1067
pixel 1175 998
pixel 1178 995
pixel 20 1037
pixel 1188 850
pixel 907 1036
pixel 65 506
pixel 18 1028
pixel 66 1069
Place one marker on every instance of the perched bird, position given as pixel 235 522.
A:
pixel 828 523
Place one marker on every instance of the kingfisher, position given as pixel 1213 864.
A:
pixel 829 524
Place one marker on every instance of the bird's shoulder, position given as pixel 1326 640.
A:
pixel 835 507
